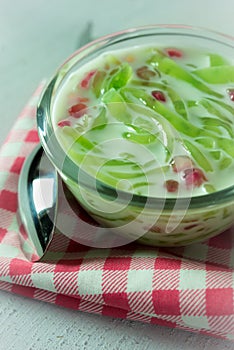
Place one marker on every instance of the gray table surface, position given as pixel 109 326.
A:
pixel 35 37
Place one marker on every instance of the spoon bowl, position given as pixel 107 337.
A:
pixel 37 199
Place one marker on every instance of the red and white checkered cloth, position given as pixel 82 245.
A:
pixel 190 288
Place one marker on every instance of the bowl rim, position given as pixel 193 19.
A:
pixel 71 170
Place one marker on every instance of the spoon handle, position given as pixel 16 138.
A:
pixel 85 36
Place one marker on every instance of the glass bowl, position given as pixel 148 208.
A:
pixel 152 220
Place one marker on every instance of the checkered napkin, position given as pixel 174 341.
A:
pixel 190 288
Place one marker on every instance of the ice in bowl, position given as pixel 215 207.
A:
pixel 140 125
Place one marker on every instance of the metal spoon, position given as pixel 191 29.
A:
pixel 38 188
pixel 37 198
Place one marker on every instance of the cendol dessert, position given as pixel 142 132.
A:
pixel 153 122
pixel 159 118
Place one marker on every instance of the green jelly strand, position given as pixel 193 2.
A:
pixel 216 75
pixel 133 95
pixel 164 129
pixel 198 156
pixel 207 142
pixel 209 188
pixel 224 105
pixel 213 122
pixel 117 106
pixel 139 135
pixel 100 121
pixel 227 145
pixel 86 143
pixel 209 106
pixel 225 163
pixel 216 60
pixel 215 154
pixel 119 162
pixel 98 83
pixel 171 68
pixel 116 78
pixel 178 103
pixel 121 77
pixel 70 132
pixel 175 98
pixel 78 144
pixel 126 175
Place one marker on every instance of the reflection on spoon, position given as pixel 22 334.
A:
pixel 37 198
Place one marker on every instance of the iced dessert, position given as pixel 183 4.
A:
pixel 159 118
pixel 156 123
